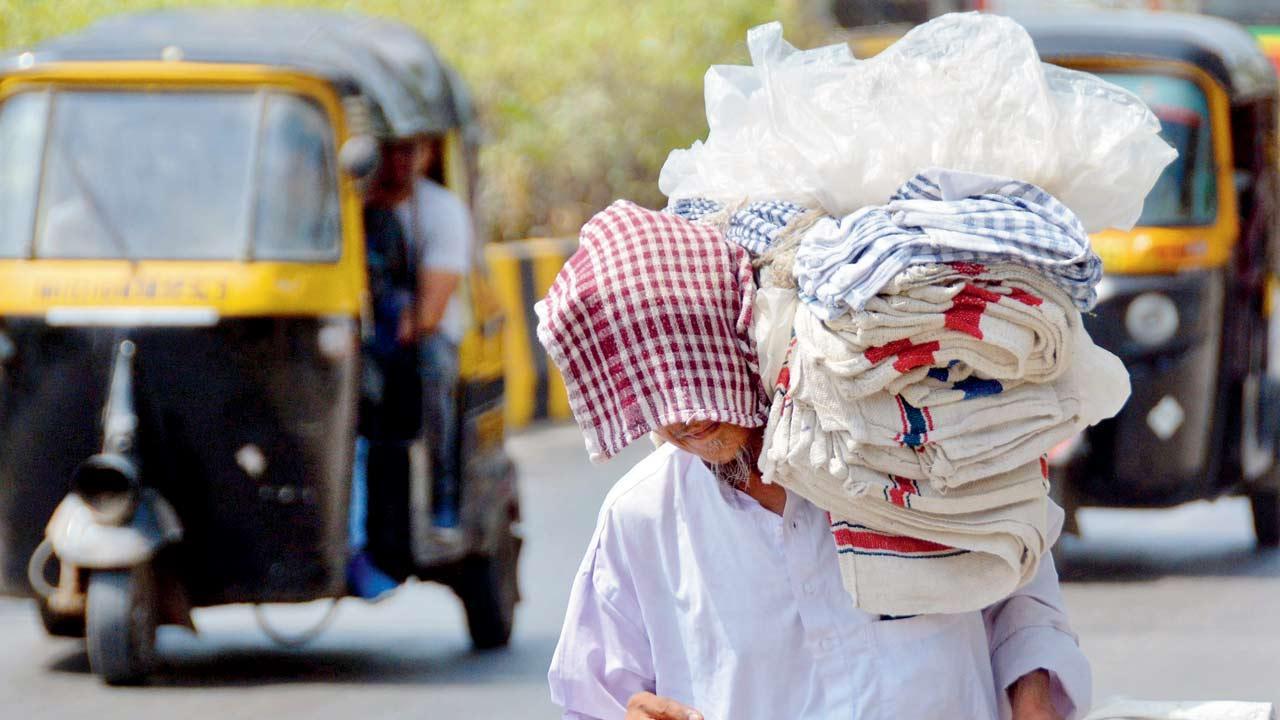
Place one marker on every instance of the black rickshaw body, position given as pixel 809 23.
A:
pixel 1185 299
pixel 198 285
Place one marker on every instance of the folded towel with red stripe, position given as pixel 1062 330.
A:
pixel 1002 323
pixel 989 430
pixel 928 449
pixel 904 548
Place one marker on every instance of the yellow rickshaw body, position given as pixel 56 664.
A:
pixel 1147 250
pixel 232 288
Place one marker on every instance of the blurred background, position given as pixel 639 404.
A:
pixel 579 102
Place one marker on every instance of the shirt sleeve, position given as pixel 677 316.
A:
pixel 603 657
pixel 1029 630
pixel 448 232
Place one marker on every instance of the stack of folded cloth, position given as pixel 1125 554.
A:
pixel 931 357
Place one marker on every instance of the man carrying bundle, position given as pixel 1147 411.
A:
pixel 849 516
pixel 706 592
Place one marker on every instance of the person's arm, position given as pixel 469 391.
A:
pixel 445 258
pixel 1040 671
pixel 603 659
pixel 435 288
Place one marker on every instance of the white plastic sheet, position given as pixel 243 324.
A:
pixel 965 91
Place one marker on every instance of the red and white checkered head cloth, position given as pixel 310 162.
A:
pixel 649 322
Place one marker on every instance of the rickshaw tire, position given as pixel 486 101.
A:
pixel 58 625
pixel 488 588
pixel 121 622
pixel 1265 503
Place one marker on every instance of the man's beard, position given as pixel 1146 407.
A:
pixel 735 472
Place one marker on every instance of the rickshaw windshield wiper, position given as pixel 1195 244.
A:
pixel 121 245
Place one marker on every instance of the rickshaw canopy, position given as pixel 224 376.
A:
pixel 1222 49
pixel 390 63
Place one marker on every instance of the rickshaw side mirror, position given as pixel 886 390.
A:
pixel 359 156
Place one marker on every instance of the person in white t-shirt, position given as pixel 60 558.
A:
pixel 441 232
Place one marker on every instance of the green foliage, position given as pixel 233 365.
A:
pixel 582 99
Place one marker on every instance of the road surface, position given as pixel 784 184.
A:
pixel 1169 605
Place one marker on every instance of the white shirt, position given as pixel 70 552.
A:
pixel 439 226
pixel 691 590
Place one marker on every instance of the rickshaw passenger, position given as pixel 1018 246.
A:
pixel 442 235
pixel 391 359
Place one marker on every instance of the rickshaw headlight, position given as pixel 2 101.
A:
pixel 336 339
pixel 108 484
pixel 1152 318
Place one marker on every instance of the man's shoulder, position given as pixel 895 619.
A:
pixel 433 193
pixel 648 490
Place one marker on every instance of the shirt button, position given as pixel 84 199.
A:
pixel 808 588
pixel 828 643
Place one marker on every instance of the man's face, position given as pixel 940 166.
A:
pixel 427 153
pixel 398 168
pixel 715 442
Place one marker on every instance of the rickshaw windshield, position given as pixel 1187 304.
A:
pixel 1187 191
pixel 167 175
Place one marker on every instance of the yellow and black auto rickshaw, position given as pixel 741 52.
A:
pixel 1188 295
pixel 183 298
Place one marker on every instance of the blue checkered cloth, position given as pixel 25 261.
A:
pixel 754 227
pixel 694 209
pixel 843 262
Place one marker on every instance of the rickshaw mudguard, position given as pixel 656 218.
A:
pixel 79 538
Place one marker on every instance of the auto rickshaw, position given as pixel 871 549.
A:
pixel 183 298
pixel 1188 297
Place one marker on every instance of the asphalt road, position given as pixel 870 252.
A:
pixel 1169 605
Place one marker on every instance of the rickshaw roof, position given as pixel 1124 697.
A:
pixel 416 57
pixel 390 63
pixel 1221 48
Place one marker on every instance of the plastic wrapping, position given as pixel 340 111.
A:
pixel 965 91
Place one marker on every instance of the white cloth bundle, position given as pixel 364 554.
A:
pixel 958 296
pixel 953 443
pixel 964 91
pixel 935 508
pixel 906 549
pixel 950 445
pixel 999 326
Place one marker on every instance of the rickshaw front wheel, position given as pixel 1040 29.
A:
pixel 121 624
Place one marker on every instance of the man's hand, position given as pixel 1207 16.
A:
pixel 1031 698
pixel 647 706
